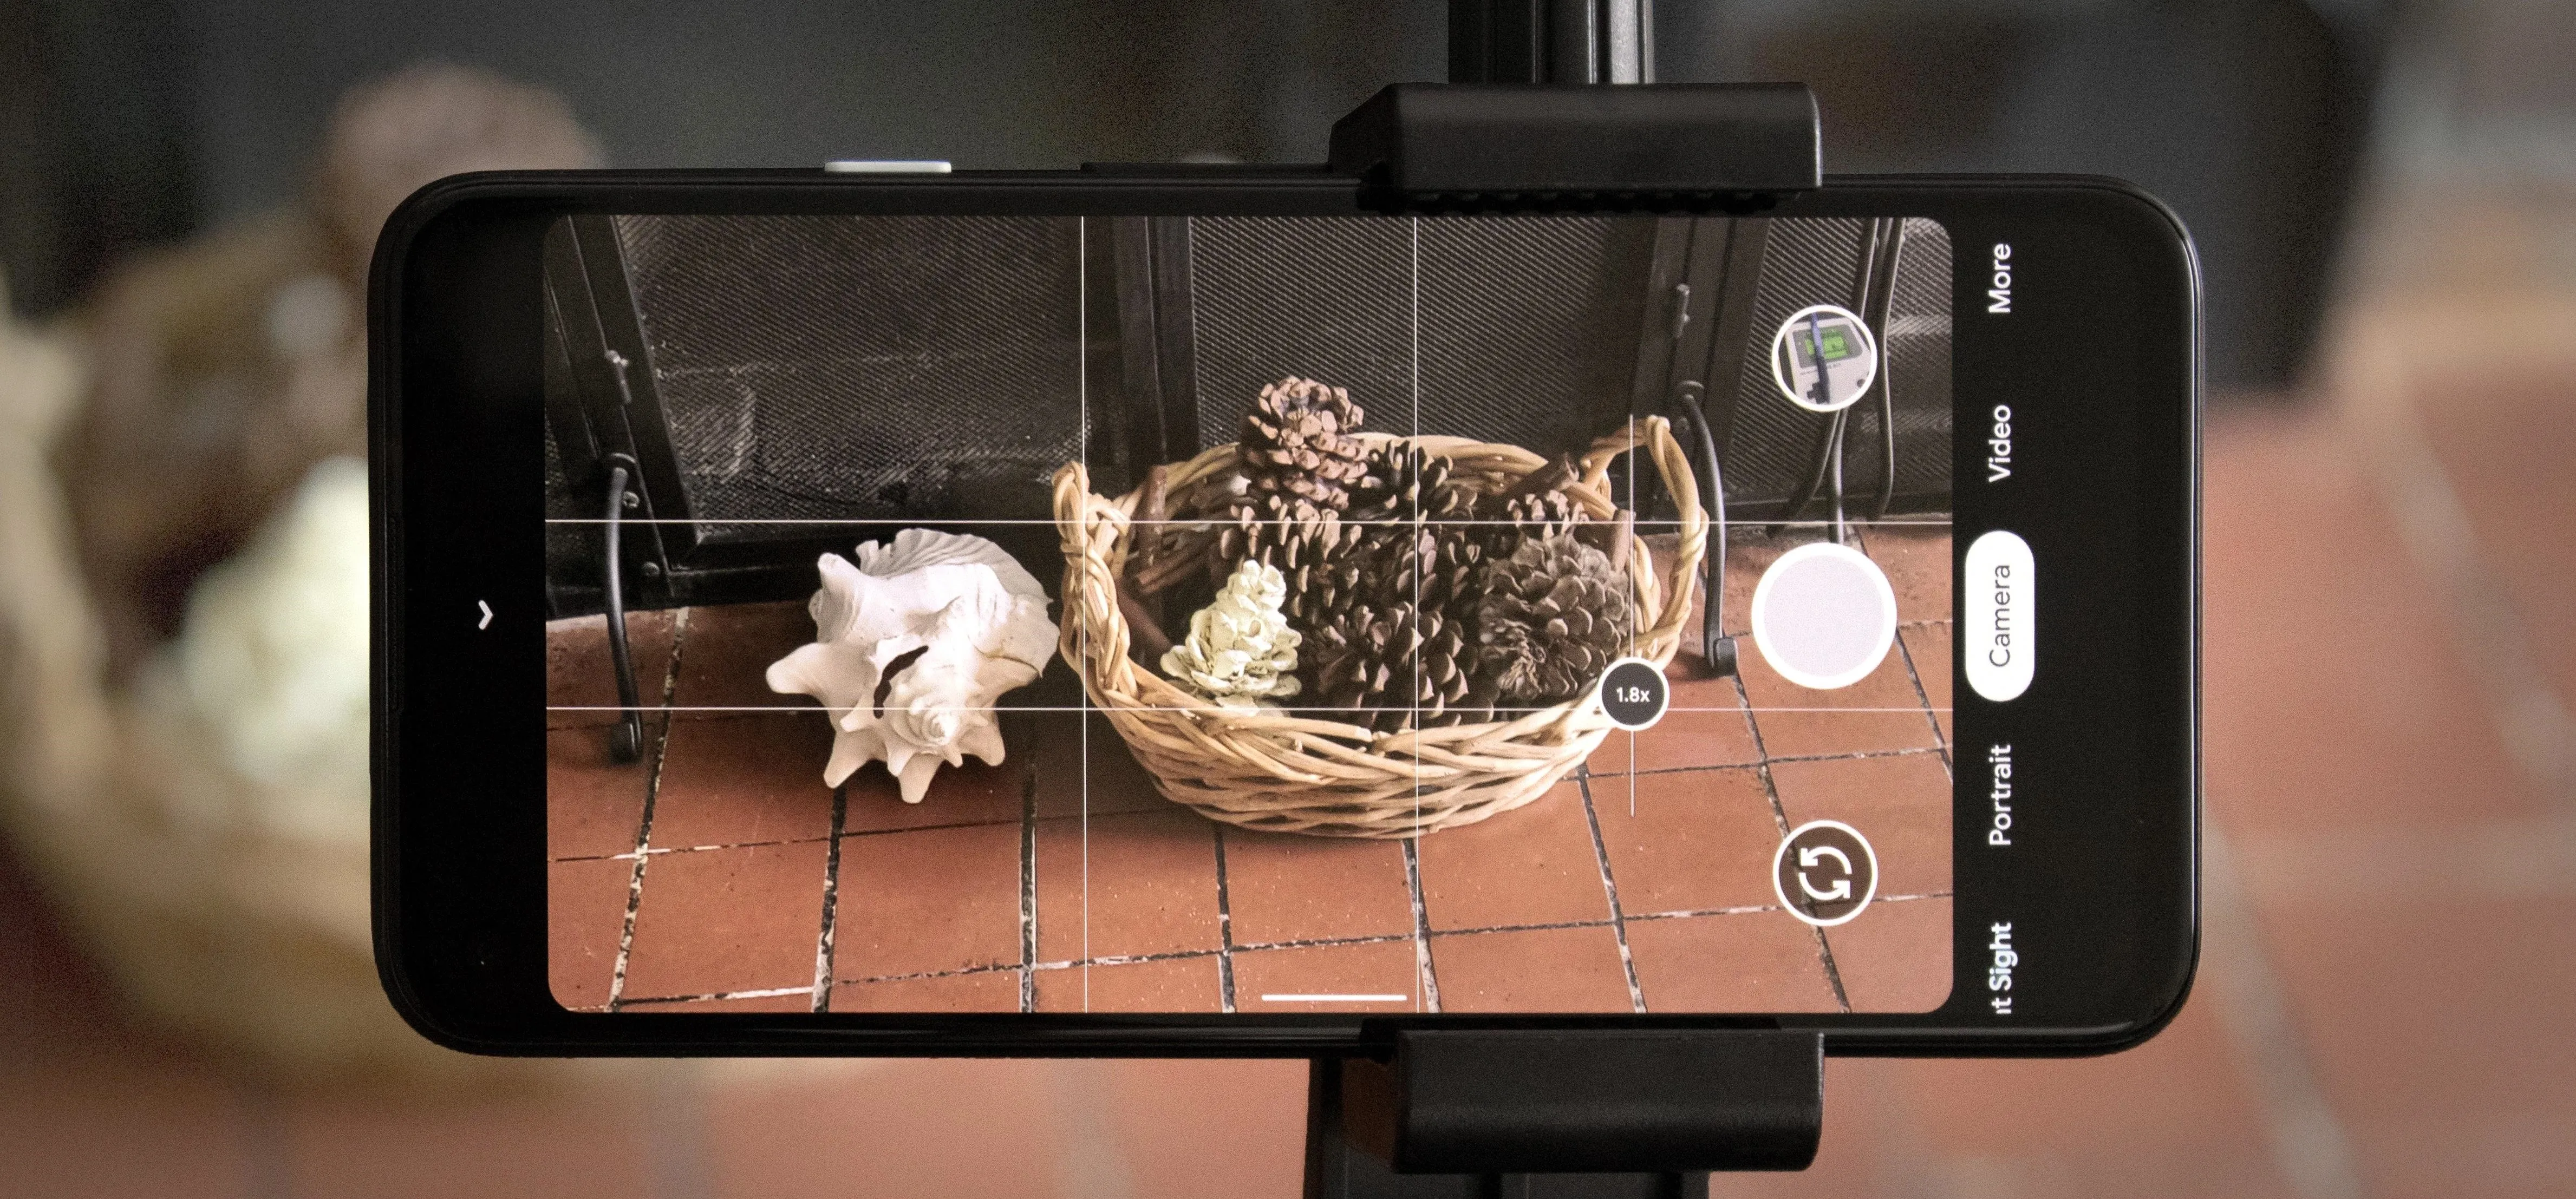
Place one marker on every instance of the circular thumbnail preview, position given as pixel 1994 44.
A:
pixel 1824 358
pixel 1824 872
pixel 1824 616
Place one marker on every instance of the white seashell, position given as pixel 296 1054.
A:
pixel 1240 650
pixel 976 616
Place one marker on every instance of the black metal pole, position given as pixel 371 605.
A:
pixel 1551 41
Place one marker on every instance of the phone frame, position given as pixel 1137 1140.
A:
pixel 458 871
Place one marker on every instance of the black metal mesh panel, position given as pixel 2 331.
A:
pixel 570 548
pixel 1326 298
pixel 1915 344
pixel 1529 326
pixel 859 367
pixel 1771 452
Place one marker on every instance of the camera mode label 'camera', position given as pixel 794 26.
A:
pixel 1995 625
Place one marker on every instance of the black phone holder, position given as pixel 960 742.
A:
pixel 1625 1113
pixel 1535 1114
pixel 1736 147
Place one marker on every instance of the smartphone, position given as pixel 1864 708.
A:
pixel 1197 611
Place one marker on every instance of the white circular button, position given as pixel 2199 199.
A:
pixel 1824 615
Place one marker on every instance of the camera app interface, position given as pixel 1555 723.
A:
pixel 1526 614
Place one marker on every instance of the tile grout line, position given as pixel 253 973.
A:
pixel 1224 930
pixel 2489 635
pixel 2309 1144
pixel 1028 891
pixel 1756 909
pixel 831 902
pixel 1610 887
pixel 1184 955
pixel 1426 983
pixel 1780 817
pixel 644 826
pixel 1940 742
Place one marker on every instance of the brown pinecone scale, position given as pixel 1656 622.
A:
pixel 1554 616
pixel 1398 667
pixel 1403 483
pixel 1507 524
pixel 1297 441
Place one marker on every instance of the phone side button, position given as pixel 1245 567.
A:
pixel 887 166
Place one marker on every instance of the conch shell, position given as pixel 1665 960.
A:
pixel 972 624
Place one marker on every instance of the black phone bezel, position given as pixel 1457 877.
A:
pixel 2102 273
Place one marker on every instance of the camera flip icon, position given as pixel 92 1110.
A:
pixel 1824 872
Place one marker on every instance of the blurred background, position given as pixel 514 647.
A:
pixel 2384 198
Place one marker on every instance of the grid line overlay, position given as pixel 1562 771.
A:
pixel 1433 918
pixel 838 892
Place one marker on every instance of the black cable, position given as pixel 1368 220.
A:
pixel 1715 645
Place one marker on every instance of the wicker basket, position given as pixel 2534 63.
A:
pixel 1282 772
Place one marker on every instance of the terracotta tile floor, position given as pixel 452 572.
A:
pixel 2382 1012
pixel 744 879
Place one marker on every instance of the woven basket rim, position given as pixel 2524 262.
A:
pixel 1247 767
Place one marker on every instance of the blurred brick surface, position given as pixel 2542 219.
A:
pixel 2411 895
pixel 90 1104
pixel 893 1130
pixel 515 1147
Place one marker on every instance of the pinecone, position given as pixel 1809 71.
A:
pixel 1554 616
pixel 1392 669
pixel 1404 483
pixel 1507 524
pixel 1278 529
pixel 1427 566
pixel 1296 441
pixel 1330 572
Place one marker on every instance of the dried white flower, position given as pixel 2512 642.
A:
pixel 274 656
pixel 1240 649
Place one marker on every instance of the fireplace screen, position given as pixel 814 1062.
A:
pixel 1249 614
pixel 762 371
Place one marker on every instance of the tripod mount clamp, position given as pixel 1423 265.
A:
pixel 1531 1102
pixel 1740 146
pixel 1593 1111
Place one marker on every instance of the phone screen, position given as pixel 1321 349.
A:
pixel 1250 614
